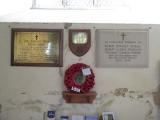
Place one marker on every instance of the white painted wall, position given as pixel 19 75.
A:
pixel 115 11
pixel 27 92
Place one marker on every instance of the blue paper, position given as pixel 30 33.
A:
pixel 91 117
pixel 51 114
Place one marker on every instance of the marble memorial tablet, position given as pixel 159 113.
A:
pixel 121 48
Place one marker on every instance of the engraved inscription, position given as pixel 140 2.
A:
pixel 123 51
pixel 36 47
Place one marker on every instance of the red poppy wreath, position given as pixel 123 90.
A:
pixel 79 78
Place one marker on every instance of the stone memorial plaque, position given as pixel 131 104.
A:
pixel 121 48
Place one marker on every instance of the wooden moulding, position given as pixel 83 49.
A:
pixel 79 97
pixel 156 98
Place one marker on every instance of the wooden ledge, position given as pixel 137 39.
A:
pixel 156 98
pixel 79 97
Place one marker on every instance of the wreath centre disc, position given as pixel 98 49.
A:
pixel 79 78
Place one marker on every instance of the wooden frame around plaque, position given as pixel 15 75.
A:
pixel 37 47
pixel 79 41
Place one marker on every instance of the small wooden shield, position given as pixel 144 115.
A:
pixel 79 41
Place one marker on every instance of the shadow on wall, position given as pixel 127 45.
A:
pixel 156 95
pixel 158 111
pixel 158 77
pixel 0 108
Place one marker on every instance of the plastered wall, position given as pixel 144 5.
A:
pixel 27 92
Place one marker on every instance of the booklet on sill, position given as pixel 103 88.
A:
pixel 108 116
pixel 77 117
pixel 91 117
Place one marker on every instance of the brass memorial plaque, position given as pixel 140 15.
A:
pixel 36 47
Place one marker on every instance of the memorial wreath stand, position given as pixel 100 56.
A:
pixel 79 79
